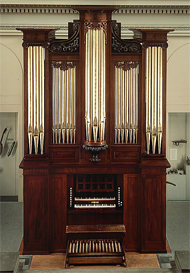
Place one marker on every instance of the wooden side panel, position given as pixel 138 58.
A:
pixel 58 193
pixel 125 154
pixel 131 211
pixel 36 214
pixel 153 214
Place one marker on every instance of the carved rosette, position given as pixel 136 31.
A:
pixel 127 65
pixel 63 65
pixel 95 25
pixel 70 45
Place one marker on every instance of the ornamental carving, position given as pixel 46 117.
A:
pixel 27 44
pixel 162 45
pixel 95 25
pixel 70 45
pixel 63 65
pixel 123 45
pixel 126 65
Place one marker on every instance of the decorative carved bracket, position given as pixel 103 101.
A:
pixel 70 45
pixel 123 46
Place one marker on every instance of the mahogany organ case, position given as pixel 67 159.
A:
pixel 95 133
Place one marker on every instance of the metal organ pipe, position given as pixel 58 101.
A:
pixel 95 85
pixel 64 102
pixel 154 93
pixel 126 102
pixel 36 59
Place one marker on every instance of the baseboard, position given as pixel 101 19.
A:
pixel 8 198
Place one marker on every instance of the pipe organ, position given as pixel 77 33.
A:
pixel 95 140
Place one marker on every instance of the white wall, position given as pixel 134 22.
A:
pixel 11 99
pixel 178 70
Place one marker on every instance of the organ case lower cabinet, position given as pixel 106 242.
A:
pixel 95 133
pixel 36 211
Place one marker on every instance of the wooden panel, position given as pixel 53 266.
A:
pixel 91 217
pixel 36 214
pixel 125 154
pixel 58 190
pixel 153 214
pixel 131 211
pixel 66 155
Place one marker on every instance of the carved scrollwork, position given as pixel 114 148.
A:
pixel 127 65
pixel 70 45
pixel 63 65
pixel 123 46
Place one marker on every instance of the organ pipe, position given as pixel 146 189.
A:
pixel 154 93
pixel 126 102
pixel 64 102
pixel 95 85
pixel 36 58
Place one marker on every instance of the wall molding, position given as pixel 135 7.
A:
pixel 65 9
pixel 62 30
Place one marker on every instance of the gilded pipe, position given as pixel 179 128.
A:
pixel 136 102
pixel 103 75
pixel 68 99
pixel 63 135
pixel 160 84
pixel 154 99
pixel 94 114
pixel 30 100
pixel 95 130
pixel 59 105
pixel 41 83
pixel 119 97
pixel 74 135
pixel 71 135
pixel 36 99
pixel 133 98
pixel 130 106
pixel 53 103
pixel 87 79
pixel 71 98
pixel 64 105
pixel 115 135
pixel 116 103
pixel 148 98
pixel 56 104
pixel 118 135
pixel 126 105
pixel 88 87
pixel 122 135
pixel 74 103
pixel 68 134
pixel 122 100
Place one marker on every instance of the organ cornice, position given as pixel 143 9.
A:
pixel 66 9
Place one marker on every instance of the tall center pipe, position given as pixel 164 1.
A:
pixel 95 85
